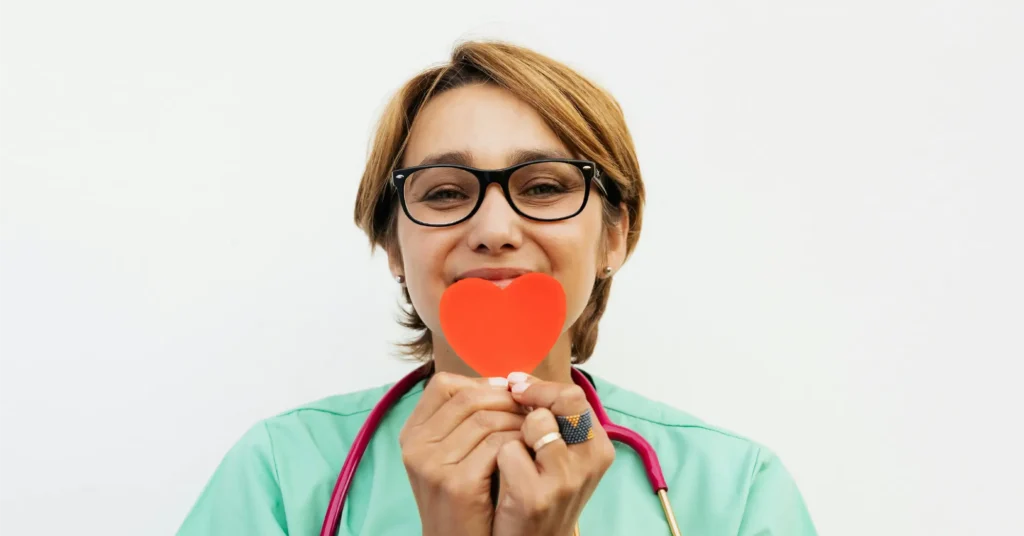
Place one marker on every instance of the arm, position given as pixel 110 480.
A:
pixel 243 496
pixel 774 504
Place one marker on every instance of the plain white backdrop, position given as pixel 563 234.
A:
pixel 830 265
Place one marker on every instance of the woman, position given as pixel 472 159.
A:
pixel 464 455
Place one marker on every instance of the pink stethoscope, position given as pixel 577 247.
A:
pixel 615 432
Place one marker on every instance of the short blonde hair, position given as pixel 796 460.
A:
pixel 584 116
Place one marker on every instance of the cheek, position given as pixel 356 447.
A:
pixel 573 258
pixel 423 256
pixel 576 301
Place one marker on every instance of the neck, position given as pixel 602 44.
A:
pixel 556 367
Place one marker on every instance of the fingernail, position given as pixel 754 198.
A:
pixel 519 387
pixel 498 382
pixel 517 377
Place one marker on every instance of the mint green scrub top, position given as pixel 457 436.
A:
pixel 278 478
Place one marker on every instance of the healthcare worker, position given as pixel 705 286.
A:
pixel 463 455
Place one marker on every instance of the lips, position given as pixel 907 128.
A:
pixel 501 277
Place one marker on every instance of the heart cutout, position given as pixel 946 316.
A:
pixel 497 331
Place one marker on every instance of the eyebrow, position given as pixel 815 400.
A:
pixel 518 156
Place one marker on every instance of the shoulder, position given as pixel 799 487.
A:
pixel 742 480
pixel 337 414
pixel 626 405
pixel 324 421
pixel 681 435
pixel 261 485
pixel 340 405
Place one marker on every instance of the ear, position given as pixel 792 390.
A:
pixel 395 263
pixel 615 253
pixel 396 269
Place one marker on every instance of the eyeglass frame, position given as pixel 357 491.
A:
pixel 501 177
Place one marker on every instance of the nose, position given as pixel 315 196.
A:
pixel 495 227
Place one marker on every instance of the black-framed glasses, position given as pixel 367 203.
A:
pixel 555 189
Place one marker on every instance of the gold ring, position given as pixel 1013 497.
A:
pixel 547 438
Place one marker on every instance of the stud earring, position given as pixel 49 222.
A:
pixel 607 271
pixel 400 279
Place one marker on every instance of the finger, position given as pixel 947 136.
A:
pixel 553 456
pixel 563 400
pixel 482 460
pixel 518 471
pixel 560 398
pixel 441 388
pixel 465 403
pixel 476 428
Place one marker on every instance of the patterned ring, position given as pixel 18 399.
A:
pixel 576 428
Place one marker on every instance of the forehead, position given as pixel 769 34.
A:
pixel 490 125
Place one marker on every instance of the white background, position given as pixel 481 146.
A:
pixel 831 262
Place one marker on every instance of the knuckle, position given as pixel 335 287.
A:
pixel 539 503
pixel 568 488
pixel 443 385
pixel 407 436
pixel 509 447
pixel 607 454
pixel 462 399
pixel 539 416
pixel 442 380
pixel 416 470
pixel 497 440
pixel 573 394
pixel 411 457
pixel 485 420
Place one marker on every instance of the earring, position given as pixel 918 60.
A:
pixel 400 279
pixel 607 271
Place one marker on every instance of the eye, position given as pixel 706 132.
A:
pixel 544 188
pixel 445 194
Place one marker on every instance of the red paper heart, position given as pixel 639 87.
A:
pixel 497 331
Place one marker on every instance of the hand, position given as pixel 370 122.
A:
pixel 449 447
pixel 546 495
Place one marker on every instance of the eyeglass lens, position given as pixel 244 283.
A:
pixel 544 191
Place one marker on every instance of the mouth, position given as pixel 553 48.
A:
pixel 502 277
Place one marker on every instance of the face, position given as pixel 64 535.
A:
pixel 491 125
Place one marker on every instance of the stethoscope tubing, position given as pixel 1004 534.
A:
pixel 615 432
